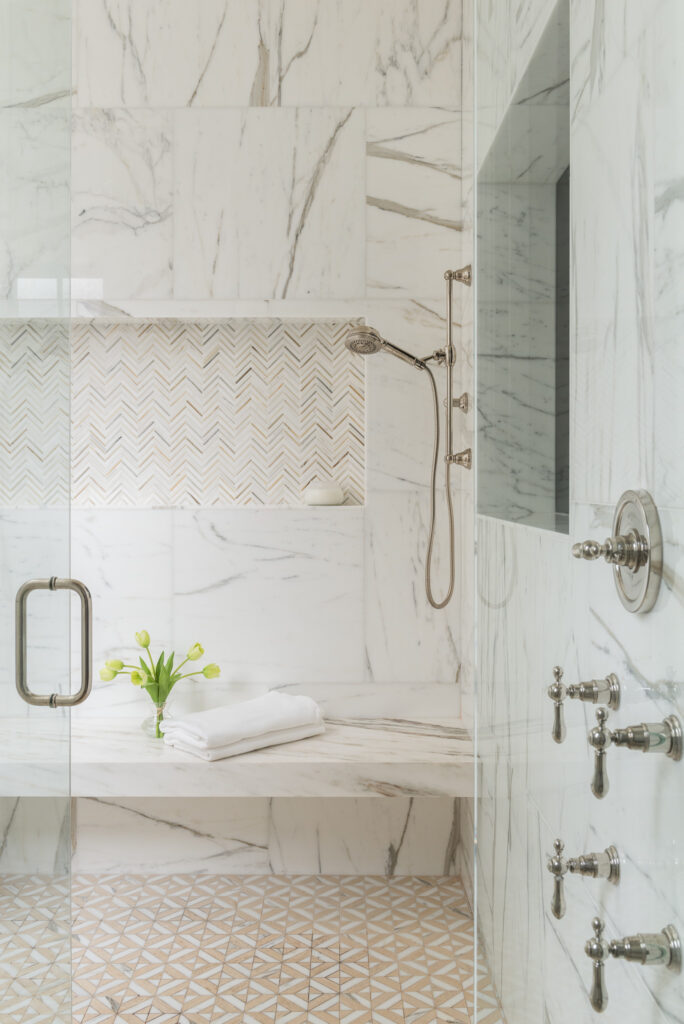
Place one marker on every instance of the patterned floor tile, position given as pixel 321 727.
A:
pixel 208 949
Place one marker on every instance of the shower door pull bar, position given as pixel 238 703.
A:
pixel 54 700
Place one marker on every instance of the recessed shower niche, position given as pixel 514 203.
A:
pixel 523 289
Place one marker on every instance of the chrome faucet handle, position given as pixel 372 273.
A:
pixel 597 865
pixel 558 692
pixel 590 865
pixel 593 691
pixel 629 550
pixel 650 737
pixel 662 949
pixel 600 739
pixel 598 691
pixel 558 867
pixel 597 950
pixel 657 948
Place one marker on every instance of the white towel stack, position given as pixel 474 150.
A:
pixel 237 728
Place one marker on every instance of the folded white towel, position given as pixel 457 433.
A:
pixel 237 728
pixel 270 739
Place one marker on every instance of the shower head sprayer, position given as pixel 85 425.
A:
pixel 363 341
pixel 366 341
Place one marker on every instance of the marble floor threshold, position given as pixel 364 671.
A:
pixel 266 949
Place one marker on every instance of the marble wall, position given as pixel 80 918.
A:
pixel 536 606
pixel 257 836
pixel 290 160
pixel 317 174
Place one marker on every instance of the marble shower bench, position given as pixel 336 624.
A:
pixel 380 741
pixel 385 758
pixel 397 759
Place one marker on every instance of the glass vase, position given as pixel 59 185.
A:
pixel 151 725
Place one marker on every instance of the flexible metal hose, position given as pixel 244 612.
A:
pixel 450 511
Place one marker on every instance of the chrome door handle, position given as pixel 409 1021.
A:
pixel 54 700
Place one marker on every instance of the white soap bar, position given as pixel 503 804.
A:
pixel 324 492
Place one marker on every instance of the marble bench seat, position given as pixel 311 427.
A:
pixel 366 753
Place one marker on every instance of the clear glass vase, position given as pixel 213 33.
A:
pixel 151 724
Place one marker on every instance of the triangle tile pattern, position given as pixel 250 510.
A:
pixel 203 949
pixel 35 950
pixel 182 413
pixel 269 949
pixel 34 412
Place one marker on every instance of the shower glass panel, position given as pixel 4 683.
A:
pixel 523 275
pixel 35 129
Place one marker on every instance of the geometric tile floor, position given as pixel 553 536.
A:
pixel 259 949
pixel 35 950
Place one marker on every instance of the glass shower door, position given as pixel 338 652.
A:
pixel 35 130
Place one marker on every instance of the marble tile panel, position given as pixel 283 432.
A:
pixel 166 836
pixel 126 558
pixel 270 53
pixel 405 638
pixel 219 53
pixel 36 52
pixel 256 191
pixel 524 628
pixel 367 53
pixel 603 37
pixel 379 837
pixel 251 836
pixel 35 836
pixel 612 271
pixel 413 186
pixel 516 219
pixel 300 568
pixel 668 254
pixel 122 202
pixel 508 34
pixel 34 208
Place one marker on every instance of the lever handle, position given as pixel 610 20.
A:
pixel 649 737
pixel 557 865
pixel 596 949
pixel 657 949
pixel 557 692
pixel 600 739
pixel 594 691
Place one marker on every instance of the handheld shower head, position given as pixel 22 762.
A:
pixel 363 341
pixel 366 341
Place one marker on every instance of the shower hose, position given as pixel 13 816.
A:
pixel 450 511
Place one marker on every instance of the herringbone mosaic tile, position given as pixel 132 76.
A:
pixel 201 949
pixel 214 412
pixel 34 413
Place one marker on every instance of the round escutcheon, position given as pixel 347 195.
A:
pixel 638 587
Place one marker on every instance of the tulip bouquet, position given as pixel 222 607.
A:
pixel 158 677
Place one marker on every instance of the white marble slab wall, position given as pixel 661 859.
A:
pixel 537 607
pixel 257 836
pixel 283 159
pixel 289 159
